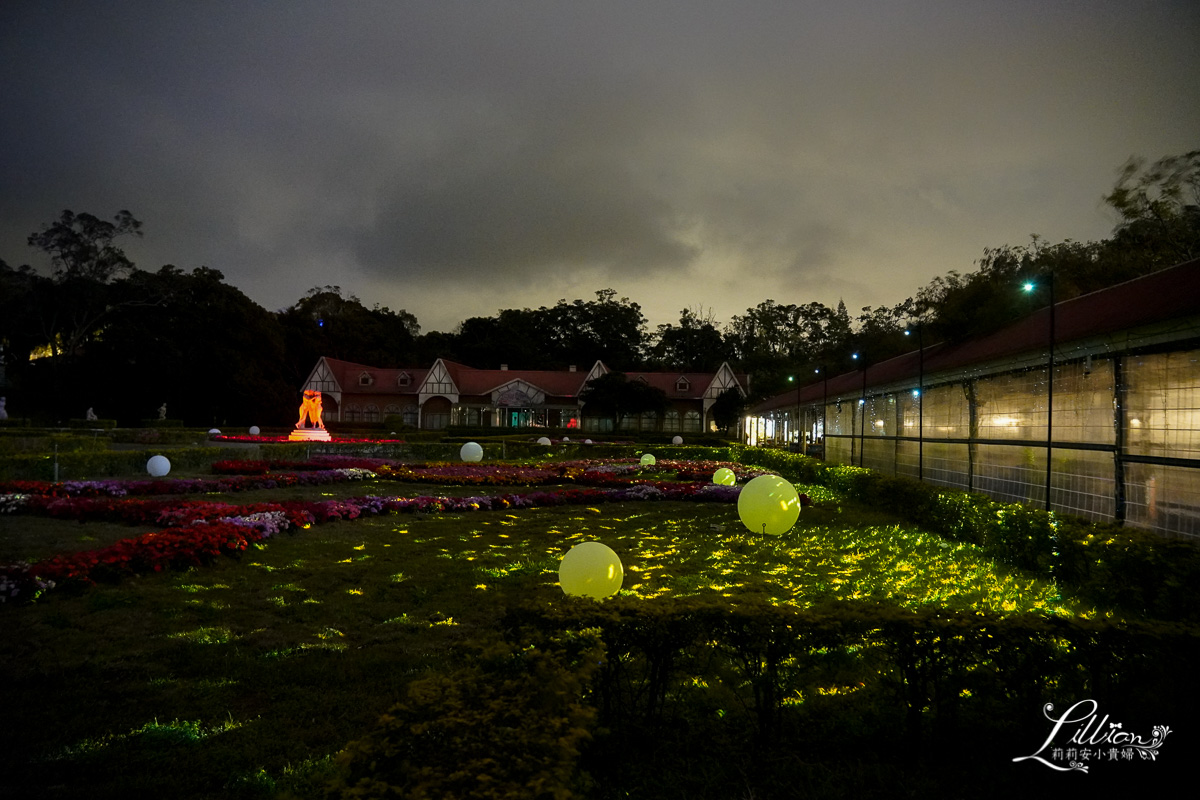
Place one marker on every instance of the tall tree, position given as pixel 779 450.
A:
pixel 608 329
pixel 614 396
pixel 190 340
pixel 695 345
pixel 727 409
pixel 1159 206
pixel 85 261
pixel 82 245
pixel 327 323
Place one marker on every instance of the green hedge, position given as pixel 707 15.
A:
pixel 80 465
pixel 928 672
pixel 92 423
pixel 155 435
pixel 509 725
pixel 406 451
pixel 713 697
pixel 1140 571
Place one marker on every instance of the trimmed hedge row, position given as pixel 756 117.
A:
pixel 103 463
pixel 508 725
pixel 1107 564
pixel 671 683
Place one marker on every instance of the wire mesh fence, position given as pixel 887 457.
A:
pixel 1124 438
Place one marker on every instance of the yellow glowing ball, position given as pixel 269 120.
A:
pixel 591 569
pixel 648 460
pixel 724 477
pixel 769 504
pixel 471 451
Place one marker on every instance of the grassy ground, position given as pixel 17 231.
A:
pixel 241 679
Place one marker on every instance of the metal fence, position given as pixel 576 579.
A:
pixel 1124 444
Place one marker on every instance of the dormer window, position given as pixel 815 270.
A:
pixel 404 380
pixel 682 385
pixel 365 379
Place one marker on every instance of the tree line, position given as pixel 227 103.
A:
pixel 100 333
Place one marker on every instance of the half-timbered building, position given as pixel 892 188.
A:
pixel 449 393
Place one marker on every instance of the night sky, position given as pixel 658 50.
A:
pixel 455 158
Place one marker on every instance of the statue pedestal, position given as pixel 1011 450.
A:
pixel 309 435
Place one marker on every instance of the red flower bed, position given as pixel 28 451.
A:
pixel 197 531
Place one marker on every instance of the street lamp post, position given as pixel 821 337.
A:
pixel 862 404
pixel 920 401
pixel 799 432
pixel 825 404
pixel 1029 287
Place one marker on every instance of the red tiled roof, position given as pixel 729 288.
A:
pixel 385 380
pixel 478 382
pixel 698 382
pixel 484 381
pixel 1168 294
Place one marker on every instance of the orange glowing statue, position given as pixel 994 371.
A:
pixel 311 408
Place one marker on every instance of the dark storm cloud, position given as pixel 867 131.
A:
pixel 684 153
pixel 525 191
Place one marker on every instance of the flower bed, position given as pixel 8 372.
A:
pixel 119 488
pixel 197 531
pixel 260 439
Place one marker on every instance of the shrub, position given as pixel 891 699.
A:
pixel 1133 569
pixel 509 725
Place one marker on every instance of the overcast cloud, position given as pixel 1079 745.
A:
pixel 455 158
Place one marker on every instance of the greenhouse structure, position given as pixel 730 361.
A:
pixel 1089 407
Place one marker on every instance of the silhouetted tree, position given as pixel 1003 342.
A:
pixel 695 345
pixel 614 396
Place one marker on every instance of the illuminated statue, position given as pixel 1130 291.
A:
pixel 310 428
pixel 91 415
pixel 162 411
pixel 311 408
pixel 3 410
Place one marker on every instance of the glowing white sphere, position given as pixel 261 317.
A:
pixel 544 441
pixel 471 452
pixel 254 430
pixel 158 466
pixel 214 432
pixel 677 440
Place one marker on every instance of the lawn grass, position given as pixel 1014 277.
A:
pixel 243 678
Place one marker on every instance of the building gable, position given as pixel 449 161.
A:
pixel 723 380
pixel 438 382
pixel 322 379
pixel 518 393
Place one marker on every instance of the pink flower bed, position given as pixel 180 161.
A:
pixel 195 531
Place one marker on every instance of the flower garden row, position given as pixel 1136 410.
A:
pixel 248 475
pixel 196 531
